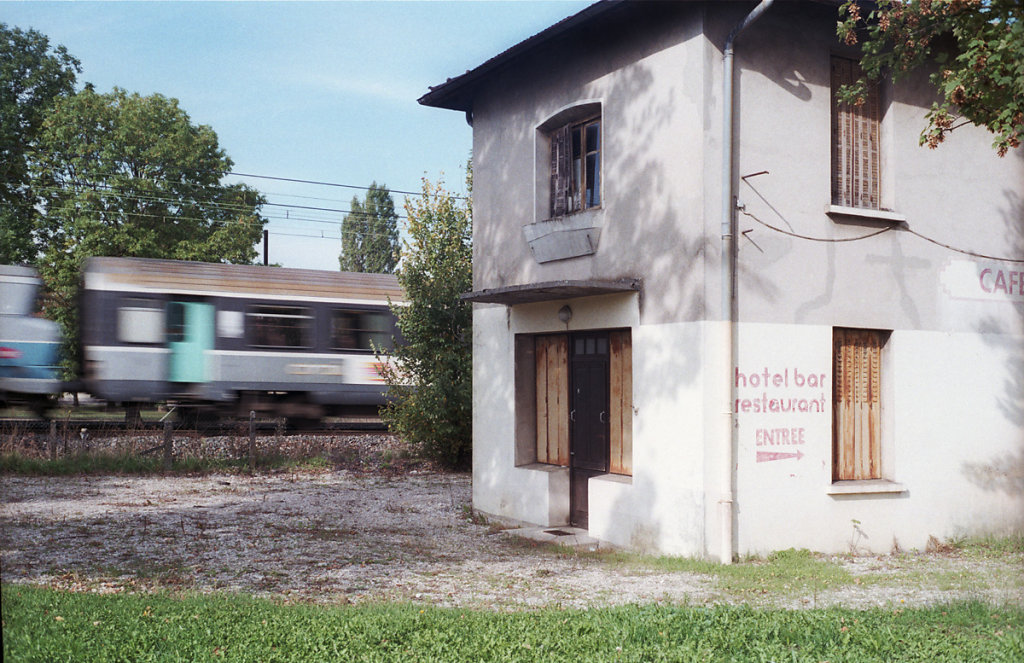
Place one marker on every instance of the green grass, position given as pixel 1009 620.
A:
pixel 990 546
pixel 786 572
pixel 806 575
pixel 47 625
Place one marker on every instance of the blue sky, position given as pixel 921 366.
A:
pixel 322 91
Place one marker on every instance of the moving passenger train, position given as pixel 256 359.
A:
pixel 229 339
pixel 29 344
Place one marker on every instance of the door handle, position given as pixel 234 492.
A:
pixel 603 417
pixel 572 415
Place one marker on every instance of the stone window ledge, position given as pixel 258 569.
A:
pixel 866 487
pixel 865 214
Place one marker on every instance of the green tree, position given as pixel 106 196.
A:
pixel 369 234
pixel 32 77
pixel 120 174
pixel 976 47
pixel 431 373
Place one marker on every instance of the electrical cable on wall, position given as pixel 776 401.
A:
pixel 903 227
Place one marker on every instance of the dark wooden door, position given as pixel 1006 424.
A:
pixel 588 435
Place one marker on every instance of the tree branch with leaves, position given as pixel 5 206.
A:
pixel 122 174
pixel 33 75
pixel 976 48
pixel 430 373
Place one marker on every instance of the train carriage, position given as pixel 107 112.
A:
pixel 29 344
pixel 292 342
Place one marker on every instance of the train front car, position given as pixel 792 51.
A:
pixel 234 338
pixel 29 344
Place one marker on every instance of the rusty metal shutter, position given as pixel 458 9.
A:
pixel 856 132
pixel 561 170
pixel 621 402
pixel 857 404
pixel 552 375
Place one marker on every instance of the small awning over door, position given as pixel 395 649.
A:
pixel 550 290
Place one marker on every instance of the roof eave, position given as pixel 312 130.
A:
pixel 457 93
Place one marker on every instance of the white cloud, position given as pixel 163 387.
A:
pixel 387 91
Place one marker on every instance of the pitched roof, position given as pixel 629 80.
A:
pixel 457 93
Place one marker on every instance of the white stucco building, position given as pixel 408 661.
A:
pixel 866 383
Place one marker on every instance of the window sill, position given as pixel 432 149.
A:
pixel 569 215
pixel 865 213
pixel 866 487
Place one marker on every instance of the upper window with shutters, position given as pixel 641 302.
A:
pixel 576 166
pixel 856 136
pixel 569 186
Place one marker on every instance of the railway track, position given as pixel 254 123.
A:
pixel 104 427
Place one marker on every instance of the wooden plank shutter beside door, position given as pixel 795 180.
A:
pixel 621 402
pixel 552 370
pixel 857 404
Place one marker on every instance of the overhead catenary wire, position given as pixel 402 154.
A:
pixel 253 223
pixel 107 191
pixel 277 178
pixel 334 184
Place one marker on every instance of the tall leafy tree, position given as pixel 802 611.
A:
pixel 32 77
pixel 975 46
pixel 121 174
pixel 369 233
pixel 431 373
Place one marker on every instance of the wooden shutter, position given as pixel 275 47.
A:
pixel 621 402
pixel 561 170
pixel 552 374
pixel 856 132
pixel 857 404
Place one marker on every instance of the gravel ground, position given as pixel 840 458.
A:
pixel 344 535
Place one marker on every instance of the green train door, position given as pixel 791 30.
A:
pixel 190 328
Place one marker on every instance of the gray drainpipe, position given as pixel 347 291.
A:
pixel 730 308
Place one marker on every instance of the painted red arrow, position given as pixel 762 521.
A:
pixel 765 456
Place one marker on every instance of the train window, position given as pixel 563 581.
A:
pixel 140 321
pixel 279 326
pixel 175 322
pixel 359 330
pixel 230 324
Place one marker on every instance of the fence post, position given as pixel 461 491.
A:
pixel 168 444
pixel 252 440
pixel 53 439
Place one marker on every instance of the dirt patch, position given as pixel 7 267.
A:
pixel 339 536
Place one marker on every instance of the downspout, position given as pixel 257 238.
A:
pixel 730 308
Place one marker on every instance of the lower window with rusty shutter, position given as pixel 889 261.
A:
pixel 857 403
